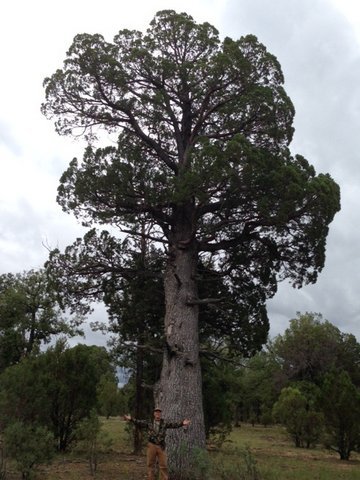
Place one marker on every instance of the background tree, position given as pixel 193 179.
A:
pixel 302 421
pixel 29 446
pixel 73 376
pixel 202 155
pixel 110 400
pixel 23 395
pixel 29 316
pixel 136 315
pixel 56 389
pixel 341 407
pixel 221 383
pixel 262 382
pixel 127 277
pixel 311 346
pixel 91 439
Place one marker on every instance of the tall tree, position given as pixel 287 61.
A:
pixel 202 155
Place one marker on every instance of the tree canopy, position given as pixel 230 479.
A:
pixel 30 316
pixel 311 346
pixel 203 128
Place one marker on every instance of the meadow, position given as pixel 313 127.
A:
pixel 251 453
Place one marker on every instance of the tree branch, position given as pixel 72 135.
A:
pixel 203 301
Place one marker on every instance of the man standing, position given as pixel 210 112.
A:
pixel 156 431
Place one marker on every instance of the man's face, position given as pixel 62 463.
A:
pixel 157 414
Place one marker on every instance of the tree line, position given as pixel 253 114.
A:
pixel 307 379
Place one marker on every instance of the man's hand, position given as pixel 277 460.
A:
pixel 127 418
pixel 186 422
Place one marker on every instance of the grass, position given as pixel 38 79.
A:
pixel 276 458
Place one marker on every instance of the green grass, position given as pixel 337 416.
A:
pixel 278 459
pixel 274 455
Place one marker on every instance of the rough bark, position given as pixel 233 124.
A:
pixel 138 400
pixel 180 389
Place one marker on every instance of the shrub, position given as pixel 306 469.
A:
pixel 28 446
pixel 92 440
pixel 241 467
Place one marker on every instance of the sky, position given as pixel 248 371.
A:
pixel 317 43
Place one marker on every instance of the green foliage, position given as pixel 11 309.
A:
pixel 220 387
pixel 242 467
pixel 29 316
pixel 261 386
pixel 110 399
pixel 73 376
pixel 91 439
pixel 29 446
pixel 23 394
pixel 202 166
pixel 56 389
pixel 201 464
pixel 203 132
pixel 341 407
pixel 302 422
pixel 311 346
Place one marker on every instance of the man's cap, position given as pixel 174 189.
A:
pixel 157 409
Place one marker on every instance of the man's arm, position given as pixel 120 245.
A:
pixel 139 423
pixel 183 423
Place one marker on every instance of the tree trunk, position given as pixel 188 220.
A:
pixel 138 400
pixel 180 387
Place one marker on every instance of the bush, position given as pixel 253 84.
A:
pixel 218 434
pixel 28 446
pixel 241 467
pixel 91 440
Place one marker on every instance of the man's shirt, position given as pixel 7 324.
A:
pixel 156 430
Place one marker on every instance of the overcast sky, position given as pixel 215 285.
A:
pixel 317 43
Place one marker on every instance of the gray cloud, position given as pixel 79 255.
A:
pixel 320 58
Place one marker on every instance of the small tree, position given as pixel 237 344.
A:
pixel 110 400
pixel 341 407
pixel 92 439
pixel 261 386
pixel 219 382
pixel 23 394
pixel 301 421
pixel 29 446
pixel 57 389
pixel 73 375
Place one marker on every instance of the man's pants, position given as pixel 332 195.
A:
pixel 152 452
